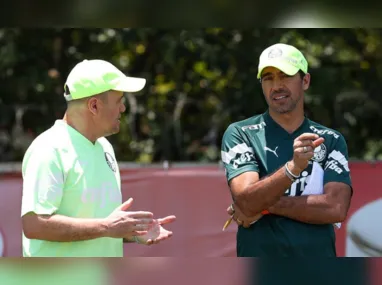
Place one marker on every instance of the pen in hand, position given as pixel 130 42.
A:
pixel 227 223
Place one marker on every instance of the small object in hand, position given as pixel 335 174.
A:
pixel 227 223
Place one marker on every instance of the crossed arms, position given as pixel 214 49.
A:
pixel 252 195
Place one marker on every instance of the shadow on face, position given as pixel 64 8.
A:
pixel 283 92
pixel 110 108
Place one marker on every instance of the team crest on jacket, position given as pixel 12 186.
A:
pixel 319 153
pixel 110 161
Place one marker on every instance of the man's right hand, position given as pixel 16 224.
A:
pixel 240 218
pixel 122 224
pixel 303 151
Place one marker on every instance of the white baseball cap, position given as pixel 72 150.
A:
pixel 92 77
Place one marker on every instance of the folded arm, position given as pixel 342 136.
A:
pixel 252 195
pixel 330 207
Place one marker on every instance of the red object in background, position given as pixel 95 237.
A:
pixel 198 196
pixel 375 267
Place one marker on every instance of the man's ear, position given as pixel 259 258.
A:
pixel 306 81
pixel 93 105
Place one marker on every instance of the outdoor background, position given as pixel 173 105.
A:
pixel 198 82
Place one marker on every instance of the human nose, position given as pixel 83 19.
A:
pixel 277 84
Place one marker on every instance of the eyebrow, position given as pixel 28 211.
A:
pixel 266 74
pixel 270 73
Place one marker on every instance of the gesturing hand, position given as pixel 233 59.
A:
pixel 123 224
pixel 303 151
pixel 156 232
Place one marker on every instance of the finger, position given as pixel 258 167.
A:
pixel 157 240
pixel 307 136
pixel 304 149
pixel 149 222
pixel 298 144
pixel 140 215
pixel 138 233
pixel 238 220
pixel 166 220
pixel 308 143
pixel 141 227
pixel 306 155
pixel 229 210
pixel 164 237
pixel 149 242
pixel 125 205
pixel 318 142
pixel 301 151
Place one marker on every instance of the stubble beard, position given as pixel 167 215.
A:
pixel 287 108
pixel 112 131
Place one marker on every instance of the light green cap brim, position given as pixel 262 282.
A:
pixel 130 84
pixel 281 65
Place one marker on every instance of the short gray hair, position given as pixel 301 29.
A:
pixel 102 96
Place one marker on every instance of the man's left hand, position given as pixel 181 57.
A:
pixel 157 233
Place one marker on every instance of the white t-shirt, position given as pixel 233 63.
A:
pixel 66 174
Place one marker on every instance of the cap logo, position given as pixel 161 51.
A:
pixel 292 60
pixel 275 52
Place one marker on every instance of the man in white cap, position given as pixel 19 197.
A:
pixel 269 160
pixel 72 202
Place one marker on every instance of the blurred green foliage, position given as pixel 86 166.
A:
pixel 198 82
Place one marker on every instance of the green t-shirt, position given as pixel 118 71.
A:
pixel 260 144
pixel 66 174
